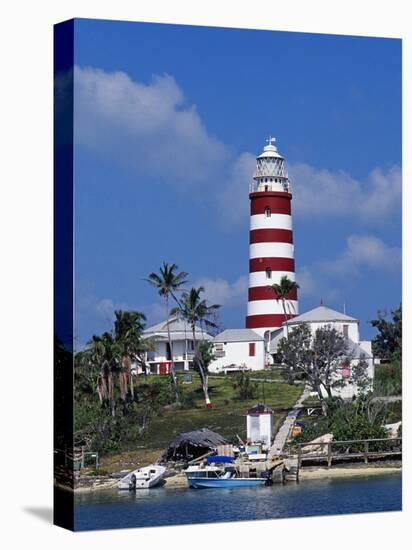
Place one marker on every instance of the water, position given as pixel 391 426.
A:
pixel 160 506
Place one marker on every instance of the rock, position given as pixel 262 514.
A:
pixel 312 446
pixel 392 429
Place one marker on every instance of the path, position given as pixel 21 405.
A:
pixel 285 429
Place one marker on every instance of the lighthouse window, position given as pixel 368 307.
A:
pixel 268 211
pixel 268 273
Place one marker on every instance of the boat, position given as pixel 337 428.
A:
pixel 218 473
pixel 142 478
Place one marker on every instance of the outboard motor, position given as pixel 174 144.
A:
pixel 132 485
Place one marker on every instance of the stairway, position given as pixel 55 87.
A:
pixel 284 431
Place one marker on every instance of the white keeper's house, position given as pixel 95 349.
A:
pixel 160 359
pixel 323 316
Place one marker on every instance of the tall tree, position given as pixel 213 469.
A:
pixel 282 291
pixel 387 344
pixel 319 358
pixel 103 354
pixel 168 282
pixel 195 311
pixel 128 329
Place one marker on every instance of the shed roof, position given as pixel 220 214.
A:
pixel 201 439
pixel 238 335
pixel 260 408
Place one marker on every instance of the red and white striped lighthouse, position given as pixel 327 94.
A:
pixel 271 253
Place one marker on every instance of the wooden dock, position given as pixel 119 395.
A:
pixel 355 450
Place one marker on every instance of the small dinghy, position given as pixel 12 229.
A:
pixel 143 478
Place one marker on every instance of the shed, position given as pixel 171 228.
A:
pixel 191 445
pixel 260 424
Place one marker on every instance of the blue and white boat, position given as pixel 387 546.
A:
pixel 219 473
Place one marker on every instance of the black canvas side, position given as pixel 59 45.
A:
pixel 63 275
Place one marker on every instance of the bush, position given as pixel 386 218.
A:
pixel 187 401
pixel 388 379
pixel 245 387
pixel 313 430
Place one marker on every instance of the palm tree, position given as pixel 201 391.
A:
pixel 195 311
pixel 103 354
pixel 282 290
pixel 168 283
pixel 128 328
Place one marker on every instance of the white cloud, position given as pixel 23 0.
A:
pixel 152 129
pixel 219 291
pixel 105 309
pixel 146 126
pixel 361 255
pixel 365 252
pixel 337 194
pixel 306 281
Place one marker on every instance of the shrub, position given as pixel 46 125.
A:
pixel 388 379
pixel 245 387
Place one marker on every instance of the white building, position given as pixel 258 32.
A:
pixel 348 326
pixel 160 359
pixel 259 425
pixel 238 349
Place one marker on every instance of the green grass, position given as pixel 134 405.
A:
pixel 228 415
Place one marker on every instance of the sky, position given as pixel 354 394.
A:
pixel 168 122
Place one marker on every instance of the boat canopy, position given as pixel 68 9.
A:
pixel 220 458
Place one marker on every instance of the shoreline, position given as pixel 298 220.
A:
pixel 179 481
pixel 341 472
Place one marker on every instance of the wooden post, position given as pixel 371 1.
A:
pixel 366 451
pixel 329 454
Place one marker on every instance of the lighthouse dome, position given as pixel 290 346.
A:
pixel 270 151
pixel 270 174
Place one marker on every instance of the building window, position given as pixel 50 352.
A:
pixel 268 211
pixel 268 273
pixel 346 331
pixel 251 349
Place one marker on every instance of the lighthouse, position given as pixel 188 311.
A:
pixel 271 252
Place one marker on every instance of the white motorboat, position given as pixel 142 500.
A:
pixel 220 472
pixel 142 478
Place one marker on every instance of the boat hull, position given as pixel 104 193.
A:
pixel 145 478
pixel 210 483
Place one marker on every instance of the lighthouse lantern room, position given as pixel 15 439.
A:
pixel 271 253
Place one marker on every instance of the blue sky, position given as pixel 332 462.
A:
pixel 168 121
